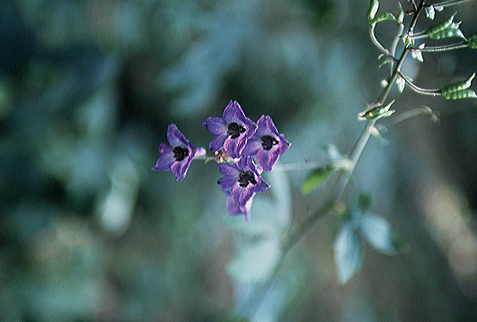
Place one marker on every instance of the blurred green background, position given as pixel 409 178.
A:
pixel 89 233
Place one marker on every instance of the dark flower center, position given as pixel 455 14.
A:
pixel 268 142
pixel 180 153
pixel 234 130
pixel 245 177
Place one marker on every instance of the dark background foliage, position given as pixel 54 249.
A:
pixel 89 233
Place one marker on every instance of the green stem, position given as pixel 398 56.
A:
pixel 437 49
pixel 449 3
pixel 422 91
pixel 298 233
pixel 376 41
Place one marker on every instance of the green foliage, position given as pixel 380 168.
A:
pixel 349 251
pixel 383 17
pixel 379 234
pixel 359 226
pixel 440 26
pixel 459 90
pixel 320 174
pixel 445 29
pixel 316 178
pixel 377 112
pixel 373 9
pixel 472 42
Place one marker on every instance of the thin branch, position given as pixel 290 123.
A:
pixel 376 41
pixel 436 49
pixel 415 88
pixel 449 3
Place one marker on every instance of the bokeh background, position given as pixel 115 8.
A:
pixel 89 233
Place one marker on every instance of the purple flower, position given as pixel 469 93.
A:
pixel 243 180
pixel 266 144
pixel 235 210
pixel 232 130
pixel 177 154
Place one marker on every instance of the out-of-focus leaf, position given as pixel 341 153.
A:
pixel 363 202
pixel 333 152
pixel 379 234
pixel 349 251
pixel 269 216
pixel 256 261
pixel 316 178
pixel 473 41
pixel 377 134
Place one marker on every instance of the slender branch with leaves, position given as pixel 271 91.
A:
pixel 244 149
pixel 356 222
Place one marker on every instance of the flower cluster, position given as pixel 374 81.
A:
pixel 243 150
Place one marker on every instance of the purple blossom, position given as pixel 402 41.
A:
pixel 235 210
pixel 178 154
pixel 243 180
pixel 232 130
pixel 266 144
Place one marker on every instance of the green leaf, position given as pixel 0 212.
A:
pixel 377 134
pixel 349 251
pixel 379 234
pixel 316 178
pixel 400 83
pixel 473 42
pixel 445 29
pixel 333 152
pixel 459 90
pixel 407 40
pixel 256 261
pixel 447 33
pixel 373 9
pixel 441 25
pixel 386 61
pixel 377 112
pixel 465 93
pixel 383 17
pixel 401 13
pixel 430 12
pixel 363 202
pixel 417 54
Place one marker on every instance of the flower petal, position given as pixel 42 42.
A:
pixel 229 169
pixel 215 125
pixel 267 159
pixel 233 113
pixel 231 147
pixel 252 147
pixel 175 137
pixel 164 163
pixel 227 182
pixel 217 143
pixel 179 169
pixel 234 209
pixel 166 159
